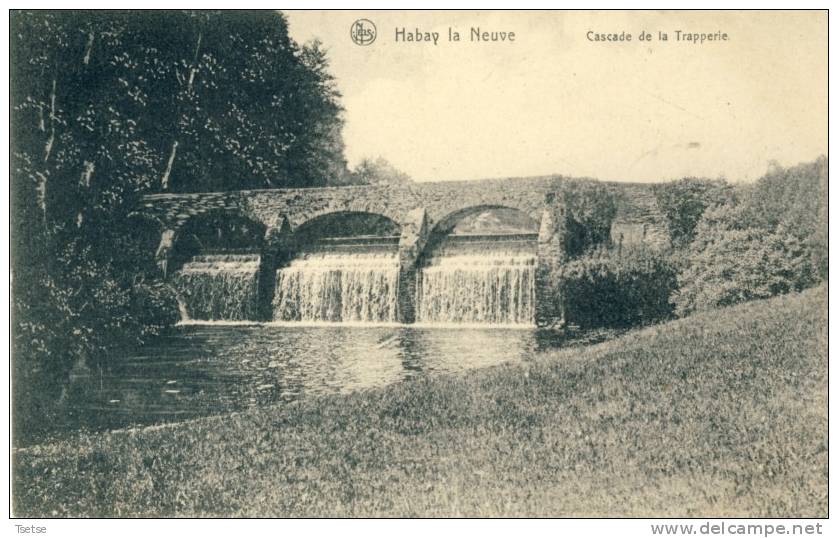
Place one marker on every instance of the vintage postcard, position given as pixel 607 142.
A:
pixel 343 264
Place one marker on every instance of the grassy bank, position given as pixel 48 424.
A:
pixel 722 414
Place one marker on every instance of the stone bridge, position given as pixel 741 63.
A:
pixel 418 209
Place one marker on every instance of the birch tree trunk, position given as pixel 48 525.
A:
pixel 88 48
pixel 86 176
pixel 164 181
pixel 41 196
pixel 194 68
pixel 87 173
pixel 51 139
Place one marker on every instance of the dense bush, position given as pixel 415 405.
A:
pixel 683 202
pixel 154 308
pixel 794 200
pixel 76 314
pixel 591 208
pixel 730 261
pixel 796 194
pixel 608 287
pixel 770 241
pixel 377 171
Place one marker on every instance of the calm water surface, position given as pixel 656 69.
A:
pixel 211 369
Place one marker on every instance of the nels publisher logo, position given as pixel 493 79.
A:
pixel 362 32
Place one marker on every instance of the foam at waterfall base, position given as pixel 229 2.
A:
pixel 359 287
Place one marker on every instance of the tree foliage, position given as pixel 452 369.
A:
pixel 195 100
pixel 617 288
pixel 377 171
pixel 731 245
pixel 794 200
pixel 591 208
pixel 109 105
pixel 684 201
pixel 771 242
pixel 729 265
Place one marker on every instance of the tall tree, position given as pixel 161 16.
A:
pixel 109 105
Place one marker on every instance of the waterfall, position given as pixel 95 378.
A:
pixel 338 286
pixel 492 284
pixel 480 283
pixel 218 287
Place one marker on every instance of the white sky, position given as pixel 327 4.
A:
pixel 553 102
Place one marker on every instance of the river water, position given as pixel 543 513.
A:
pixel 334 331
pixel 209 369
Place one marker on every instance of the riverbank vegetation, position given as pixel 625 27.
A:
pixel 718 414
pixel 729 244
pixel 768 239
pixel 107 106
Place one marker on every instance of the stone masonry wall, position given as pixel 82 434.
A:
pixel 417 208
pixel 636 205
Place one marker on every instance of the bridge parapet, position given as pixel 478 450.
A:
pixel 419 209
pixel 636 204
pixel 393 201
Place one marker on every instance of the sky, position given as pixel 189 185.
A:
pixel 554 102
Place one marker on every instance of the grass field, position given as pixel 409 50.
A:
pixel 721 414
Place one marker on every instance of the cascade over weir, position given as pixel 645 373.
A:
pixel 464 253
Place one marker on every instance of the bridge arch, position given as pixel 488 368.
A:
pixel 374 205
pixel 421 210
pixel 341 266
pixel 215 231
pixel 482 220
pixel 479 266
pixel 527 222
pixel 145 218
pixel 347 223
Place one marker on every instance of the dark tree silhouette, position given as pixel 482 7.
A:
pixel 109 105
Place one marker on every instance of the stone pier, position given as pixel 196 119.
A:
pixel 418 210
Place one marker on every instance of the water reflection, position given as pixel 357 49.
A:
pixel 211 369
